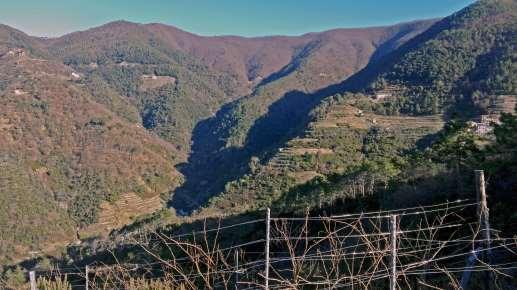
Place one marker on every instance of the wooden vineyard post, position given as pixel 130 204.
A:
pixel 484 223
pixel 483 249
pixel 268 229
pixel 393 231
pixel 482 208
pixel 87 279
pixel 32 278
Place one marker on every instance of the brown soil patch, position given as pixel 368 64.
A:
pixel 153 82
pixel 302 151
pixel 123 212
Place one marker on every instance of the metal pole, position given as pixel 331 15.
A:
pixel 86 271
pixel 393 230
pixel 268 225
pixel 236 269
pixel 32 278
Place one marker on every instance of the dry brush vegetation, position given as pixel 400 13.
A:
pixel 437 247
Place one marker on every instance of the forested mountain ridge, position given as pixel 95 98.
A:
pixel 211 71
pixel 248 60
pixel 460 60
pixel 354 152
pixel 12 38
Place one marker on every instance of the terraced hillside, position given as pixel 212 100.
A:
pixel 503 104
pixel 114 215
pixel 211 71
pixel 342 136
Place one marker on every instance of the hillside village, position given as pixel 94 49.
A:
pixel 498 105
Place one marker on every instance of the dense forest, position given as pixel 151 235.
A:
pixel 453 66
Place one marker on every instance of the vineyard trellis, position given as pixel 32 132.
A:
pixel 441 246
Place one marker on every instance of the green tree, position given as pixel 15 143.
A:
pixel 14 278
pixel 84 209
pixel 457 147
pixel 502 155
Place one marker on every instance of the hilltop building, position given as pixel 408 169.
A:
pixel 501 104
pixel 388 92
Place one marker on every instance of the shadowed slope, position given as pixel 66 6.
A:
pixel 278 108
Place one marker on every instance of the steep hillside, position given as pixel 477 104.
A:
pixel 94 129
pixel 107 117
pixel 224 144
pixel 454 66
pixel 205 72
pixel 460 64
pixel 11 38
pixel 64 153
pixel 169 80
pixel 94 122
pixel 248 61
pixel 170 89
pixel 345 137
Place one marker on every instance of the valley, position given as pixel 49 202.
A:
pixel 132 131
pixel 170 86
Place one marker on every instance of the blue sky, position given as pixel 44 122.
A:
pixel 218 17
